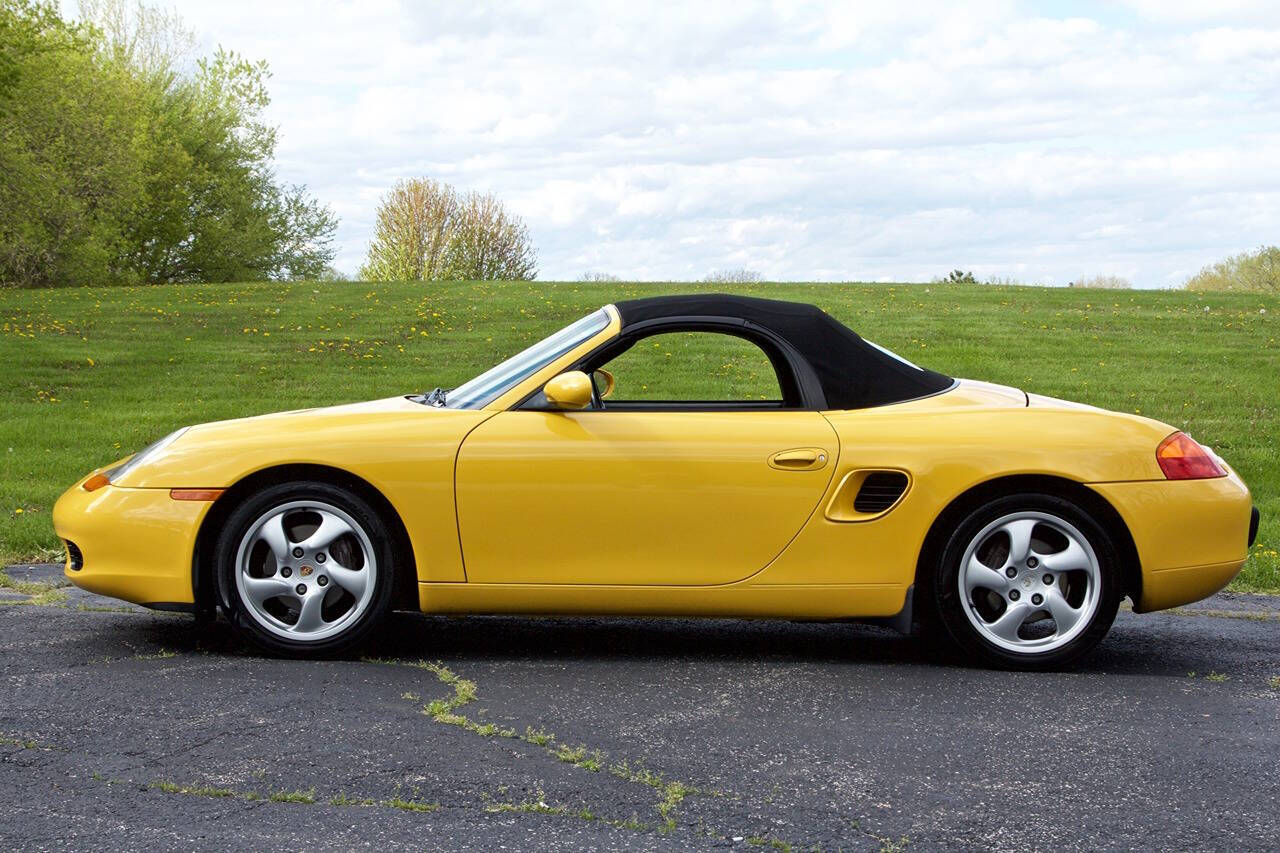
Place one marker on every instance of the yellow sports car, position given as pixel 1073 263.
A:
pixel 862 487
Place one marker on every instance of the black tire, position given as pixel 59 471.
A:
pixel 265 624
pixel 955 616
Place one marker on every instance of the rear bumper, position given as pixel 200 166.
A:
pixel 133 544
pixel 1171 587
pixel 1192 536
pixel 1253 526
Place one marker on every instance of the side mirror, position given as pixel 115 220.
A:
pixel 570 390
pixel 604 382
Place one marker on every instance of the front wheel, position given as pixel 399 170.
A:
pixel 1027 582
pixel 304 569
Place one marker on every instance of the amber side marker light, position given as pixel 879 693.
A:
pixel 97 481
pixel 195 494
pixel 1182 458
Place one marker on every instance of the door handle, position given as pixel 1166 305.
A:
pixel 799 459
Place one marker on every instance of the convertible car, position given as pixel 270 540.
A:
pixel 586 476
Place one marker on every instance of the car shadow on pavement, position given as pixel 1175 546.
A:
pixel 1171 646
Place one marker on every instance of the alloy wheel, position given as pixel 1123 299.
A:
pixel 1030 582
pixel 305 570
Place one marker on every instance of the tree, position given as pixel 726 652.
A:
pixel 1103 282
pixel 490 244
pixel 68 128
pixel 425 231
pixel 738 276
pixel 122 166
pixel 416 222
pixel 1257 271
pixel 215 211
pixel 150 40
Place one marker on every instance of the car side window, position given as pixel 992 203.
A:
pixel 706 367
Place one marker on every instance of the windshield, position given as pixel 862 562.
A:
pixel 494 382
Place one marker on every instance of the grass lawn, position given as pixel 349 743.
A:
pixel 92 374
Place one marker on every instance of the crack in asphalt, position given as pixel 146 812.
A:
pixel 671 792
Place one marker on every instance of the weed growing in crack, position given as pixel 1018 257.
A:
pixel 670 793
pixel 299 797
pixel 192 790
pixel 538 737
pixel 537 805
pixel 410 805
pixel 580 757
pixel 341 799
pixel 24 743
pixel 160 655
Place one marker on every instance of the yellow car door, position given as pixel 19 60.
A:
pixel 646 497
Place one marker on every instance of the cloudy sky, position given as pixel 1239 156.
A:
pixel 872 141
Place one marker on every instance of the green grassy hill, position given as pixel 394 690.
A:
pixel 92 374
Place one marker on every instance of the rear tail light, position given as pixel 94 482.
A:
pixel 1182 458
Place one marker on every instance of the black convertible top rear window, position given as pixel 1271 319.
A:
pixel 854 373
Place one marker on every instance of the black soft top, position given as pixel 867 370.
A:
pixel 854 373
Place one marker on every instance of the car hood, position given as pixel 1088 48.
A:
pixel 298 418
pixel 218 453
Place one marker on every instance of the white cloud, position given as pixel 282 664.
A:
pixel 848 140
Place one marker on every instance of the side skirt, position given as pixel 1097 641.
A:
pixel 901 621
pixel 811 602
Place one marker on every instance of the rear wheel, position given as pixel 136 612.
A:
pixel 304 569
pixel 1027 581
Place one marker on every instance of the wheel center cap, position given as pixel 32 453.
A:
pixel 1027 582
pixel 305 571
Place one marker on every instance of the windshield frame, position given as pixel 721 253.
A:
pixel 500 380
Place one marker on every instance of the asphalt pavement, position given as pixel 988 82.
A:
pixel 126 729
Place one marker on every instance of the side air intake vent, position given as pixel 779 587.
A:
pixel 880 490
pixel 74 558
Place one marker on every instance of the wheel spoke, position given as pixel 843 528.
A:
pixel 1019 539
pixel 262 590
pixel 309 619
pixel 331 527
pixel 353 581
pixel 1007 625
pixel 1071 558
pixel 1064 615
pixel 273 533
pixel 978 575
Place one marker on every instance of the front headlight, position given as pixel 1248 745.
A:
pixel 114 475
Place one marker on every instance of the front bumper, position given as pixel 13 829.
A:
pixel 134 544
pixel 1192 536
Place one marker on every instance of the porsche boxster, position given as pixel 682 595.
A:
pixel 573 479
